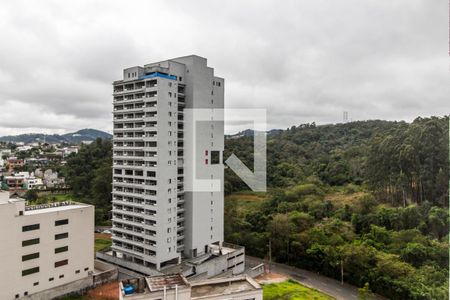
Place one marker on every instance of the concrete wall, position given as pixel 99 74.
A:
pixel 225 265
pixel 183 293
pixel 256 271
pixel 75 287
pixel 249 290
pixel 254 294
pixel 126 264
pixel 203 209
pixel 107 273
pixel 166 171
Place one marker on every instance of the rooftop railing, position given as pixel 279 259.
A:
pixel 49 205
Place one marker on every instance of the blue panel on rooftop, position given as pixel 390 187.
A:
pixel 157 74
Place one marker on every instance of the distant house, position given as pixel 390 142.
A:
pixel 14 163
pixel 5 152
pixel 23 180
pixel 49 178
pixel 34 183
pixel 15 182
pixel 52 157
pixel 24 148
pixel 69 150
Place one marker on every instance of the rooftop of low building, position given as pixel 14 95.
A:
pixel 158 283
pixel 222 286
pixel 54 206
pixel 199 289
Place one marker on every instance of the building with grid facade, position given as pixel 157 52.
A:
pixel 158 217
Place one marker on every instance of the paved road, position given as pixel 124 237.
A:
pixel 327 285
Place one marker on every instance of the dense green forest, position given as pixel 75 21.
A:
pixel 89 174
pixel 371 197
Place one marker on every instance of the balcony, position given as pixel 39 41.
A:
pixel 118 92
pixel 152 138
pixel 126 222
pixel 123 119
pixel 132 166
pixel 128 193
pixel 131 214
pixel 124 202
pixel 125 231
pixel 127 156
pixel 151 84
pixel 150 109
pixel 126 148
pixel 153 118
pixel 127 184
pixel 128 251
pixel 134 88
pixel 129 109
pixel 129 128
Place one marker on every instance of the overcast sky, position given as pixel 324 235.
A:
pixel 303 61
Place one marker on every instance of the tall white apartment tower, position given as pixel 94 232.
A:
pixel 157 219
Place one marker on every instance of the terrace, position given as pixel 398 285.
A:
pixel 54 206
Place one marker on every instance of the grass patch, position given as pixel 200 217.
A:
pixel 341 198
pixel 246 201
pixel 101 243
pixel 292 290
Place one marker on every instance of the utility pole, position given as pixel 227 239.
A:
pixel 342 271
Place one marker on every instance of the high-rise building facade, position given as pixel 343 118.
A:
pixel 158 216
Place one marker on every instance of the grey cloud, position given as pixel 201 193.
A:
pixel 304 61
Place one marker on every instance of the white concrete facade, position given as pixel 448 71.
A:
pixel 155 221
pixel 43 247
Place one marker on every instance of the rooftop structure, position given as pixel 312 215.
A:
pixel 171 287
pixel 242 287
pixel 159 283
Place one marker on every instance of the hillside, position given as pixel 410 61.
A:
pixel 368 197
pixel 403 162
pixel 371 197
pixel 71 138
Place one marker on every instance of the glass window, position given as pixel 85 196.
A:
pixel 61 249
pixel 30 256
pixel 61 236
pixel 30 242
pixel 30 227
pixel 215 157
pixel 61 222
pixel 30 271
pixel 61 263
